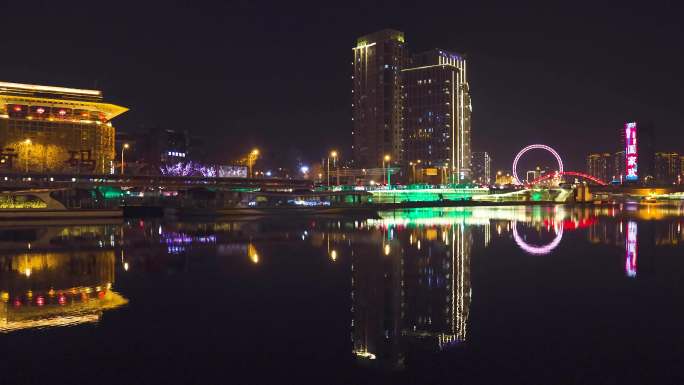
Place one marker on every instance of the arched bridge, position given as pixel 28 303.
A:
pixel 568 173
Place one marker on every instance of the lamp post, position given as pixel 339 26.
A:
pixel 386 163
pixel 251 158
pixel 124 147
pixel 413 170
pixel 28 142
pixel 333 154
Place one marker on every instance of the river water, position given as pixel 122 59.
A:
pixel 533 295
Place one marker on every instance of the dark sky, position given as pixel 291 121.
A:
pixel 276 74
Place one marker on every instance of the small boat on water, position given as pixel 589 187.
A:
pixel 55 204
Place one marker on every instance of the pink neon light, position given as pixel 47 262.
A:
pixel 538 250
pixel 532 147
pixel 631 249
pixel 631 153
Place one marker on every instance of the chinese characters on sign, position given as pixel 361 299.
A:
pixel 81 160
pixel 7 156
pixel 631 168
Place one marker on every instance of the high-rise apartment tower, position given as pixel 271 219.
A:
pixel 377 98
pixel 437 112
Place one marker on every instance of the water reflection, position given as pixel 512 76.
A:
pixel 57 276
pixel 409 271
pixel 410 287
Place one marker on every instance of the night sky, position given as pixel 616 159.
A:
pixel 277 74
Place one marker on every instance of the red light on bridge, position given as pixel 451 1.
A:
pixel 569 173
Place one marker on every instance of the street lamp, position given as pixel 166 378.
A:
pixel 413 169
pixel 305 171
pixel 251 158
pixel 385 163
pixel 28 142
pixel 333 154
pixel 124 147
pixel 413 172
pixel 337 172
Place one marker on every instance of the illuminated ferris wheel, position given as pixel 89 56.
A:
pixel 533 147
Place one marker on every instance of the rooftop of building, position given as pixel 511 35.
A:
pixel 48 99
pixel 382 35
pixel 34 90
pixel 435 57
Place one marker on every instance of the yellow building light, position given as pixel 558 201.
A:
pixel 33 87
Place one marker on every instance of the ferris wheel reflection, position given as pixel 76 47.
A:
pixel 537 249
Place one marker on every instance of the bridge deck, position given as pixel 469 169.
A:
pixel 32 180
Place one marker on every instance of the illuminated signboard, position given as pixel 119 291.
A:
pixel 631 249
pixel 631 169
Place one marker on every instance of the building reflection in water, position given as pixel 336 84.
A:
pixel 411 280
pixel 638 231
pixel 62 277
pixel 411 288
pixel 410 269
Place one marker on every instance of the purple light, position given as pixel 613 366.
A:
pixel 173 238
pixel 188 169
pixel 538 250
pixel 631 249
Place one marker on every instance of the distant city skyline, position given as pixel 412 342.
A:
pixel 536 77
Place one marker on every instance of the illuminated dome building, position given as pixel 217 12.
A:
pixel 55 129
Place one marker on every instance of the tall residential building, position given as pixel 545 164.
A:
pixel 376 98
pixel 601 165
pixel 48 129
pixel 667 166
pixel 437 112
pixel 481 165
pixel 619 166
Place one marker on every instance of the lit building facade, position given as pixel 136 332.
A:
pixel 437 112
pixel 504 179
pixel 481 166
pixel 377 98
pixel 667 167
pixel 601 165
pixel 619 166
pixel 55 129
